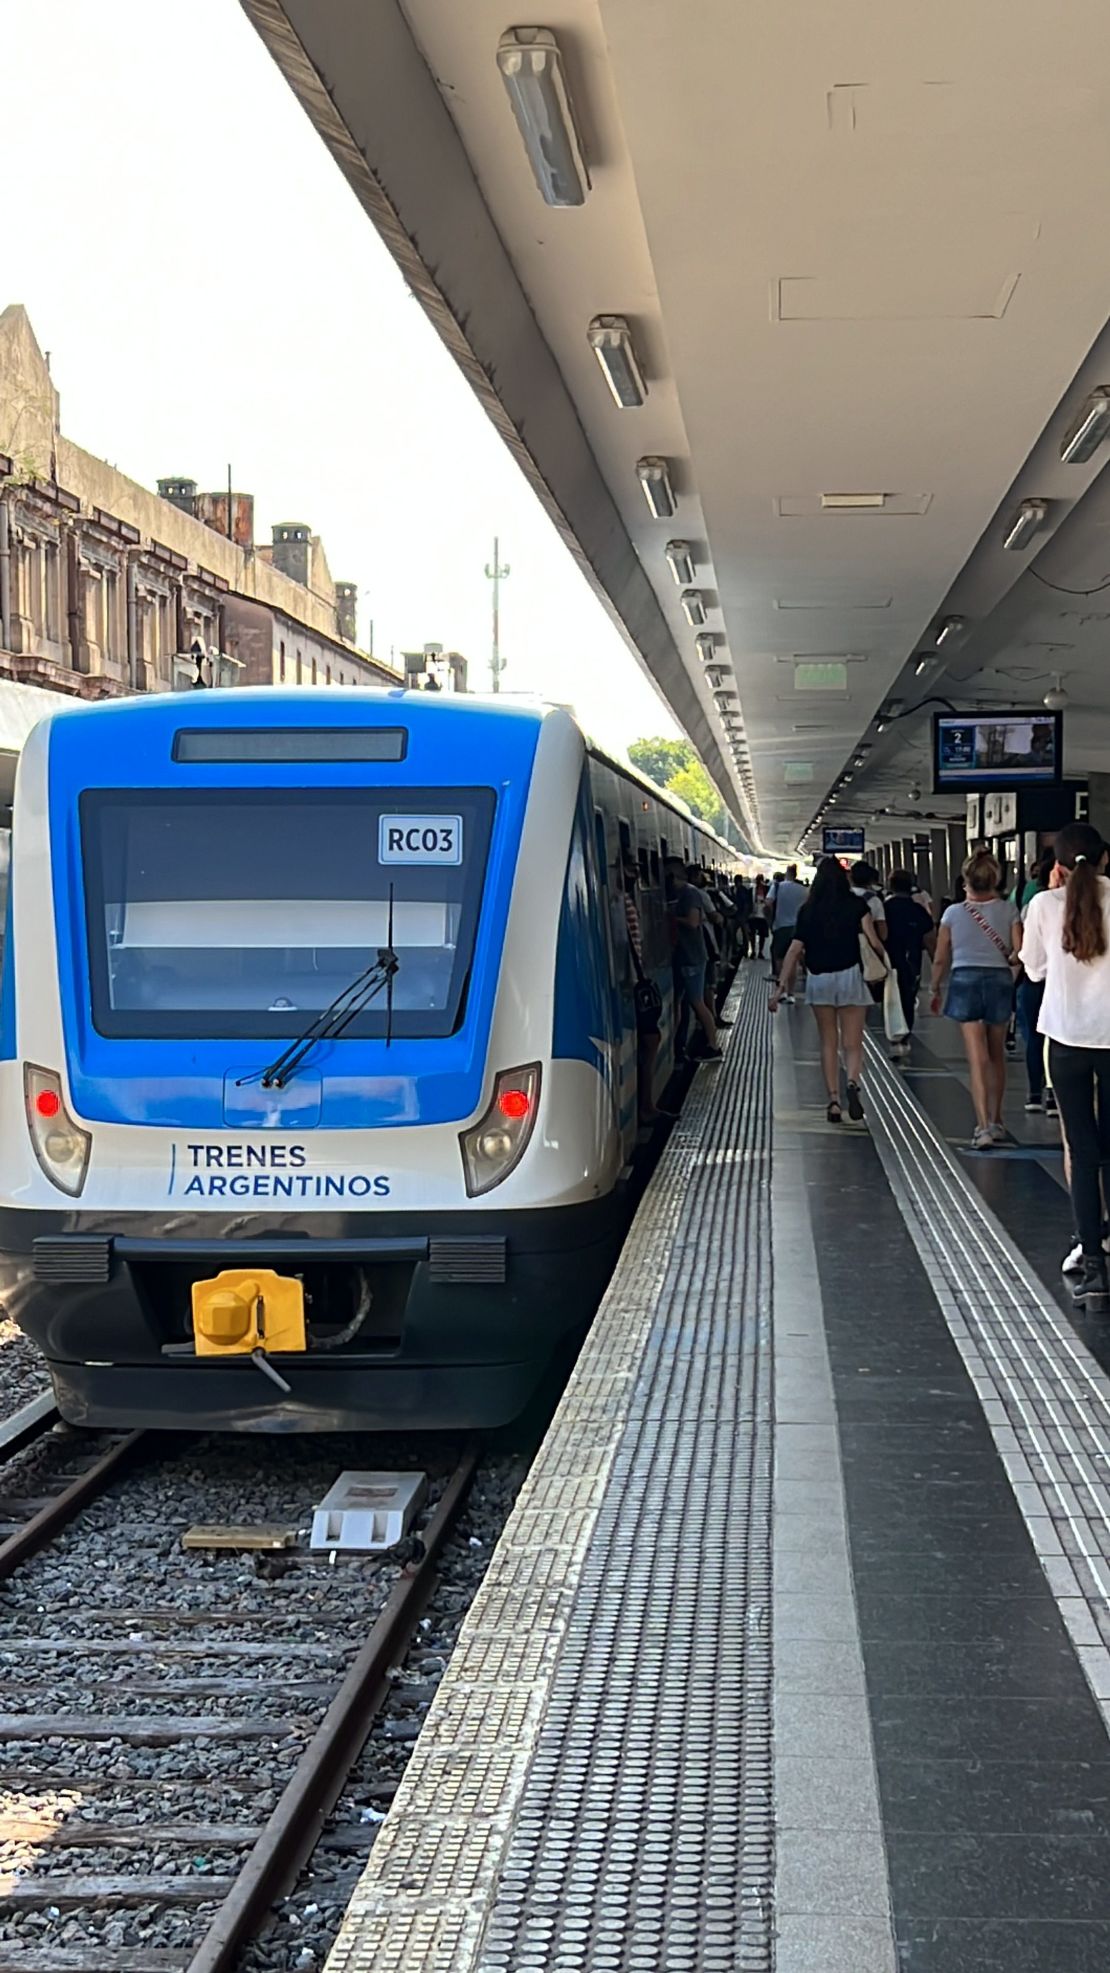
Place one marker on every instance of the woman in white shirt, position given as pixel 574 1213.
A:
pixel 1067 945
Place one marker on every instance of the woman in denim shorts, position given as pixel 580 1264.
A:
pixel 977 947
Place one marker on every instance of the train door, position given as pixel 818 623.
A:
pixel 621 1005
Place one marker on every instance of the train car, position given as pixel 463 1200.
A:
pixel 318 1052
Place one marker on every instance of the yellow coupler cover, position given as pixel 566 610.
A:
pixel 245 1309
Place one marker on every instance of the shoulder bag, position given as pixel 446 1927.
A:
pixel 1011 958
pixel 874 965
pixel 646 996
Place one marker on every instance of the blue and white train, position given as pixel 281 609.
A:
pixel 318 1052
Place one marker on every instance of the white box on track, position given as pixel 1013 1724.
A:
pixel 367 1511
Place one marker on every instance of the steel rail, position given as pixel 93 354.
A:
pixel 32 1421
pixel 294 1828
pixel 41 1529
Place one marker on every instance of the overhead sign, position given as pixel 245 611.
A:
pixel 420 839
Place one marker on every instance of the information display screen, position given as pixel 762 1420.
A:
pixel 290 744
pixel 996 750
pixel 842 842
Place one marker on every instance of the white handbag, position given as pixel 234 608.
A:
pixel 894 1016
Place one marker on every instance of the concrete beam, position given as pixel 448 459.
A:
pixel 362 80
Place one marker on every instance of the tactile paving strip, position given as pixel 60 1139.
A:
pixel 618 1655
pixel 1045 1398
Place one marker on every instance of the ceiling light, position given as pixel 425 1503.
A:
pixel 881 725
pixel 922 665
pixel 1084 437
pixel 848 503
pixel 951 627
pixel 531 67
pixel 1055 698
pixel 680 561
pixel 655 478
pixel 706 647
pixel 1028 521
pixel 860 760
pixel 693 604
pixel 610 339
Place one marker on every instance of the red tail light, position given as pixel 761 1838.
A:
pixel 514 1103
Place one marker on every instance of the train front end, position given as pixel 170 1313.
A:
pixel 283 1142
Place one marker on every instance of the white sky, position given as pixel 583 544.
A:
pixel 210 290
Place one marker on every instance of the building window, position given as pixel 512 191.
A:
pixel 282 661
pixel 327 676
pixel 53 594
pixel 314 671
pixel 300 670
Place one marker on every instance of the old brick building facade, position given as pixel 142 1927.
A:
pixel 107 588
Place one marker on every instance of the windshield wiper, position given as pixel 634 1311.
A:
pixel 332 1020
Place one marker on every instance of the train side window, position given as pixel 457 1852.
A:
pixel 655 868
pixel 625 832
pixel 642 860
pixel 602 848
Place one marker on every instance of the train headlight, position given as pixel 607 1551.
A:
pixel 61 1146
pixel 494 1146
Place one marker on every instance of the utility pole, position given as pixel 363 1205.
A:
pixel 497 572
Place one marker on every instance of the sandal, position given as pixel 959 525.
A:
pixel 855 1107
pixel 833 1113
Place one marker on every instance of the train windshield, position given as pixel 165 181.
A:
pixel 240 913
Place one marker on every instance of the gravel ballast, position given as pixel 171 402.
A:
pixel 155 1687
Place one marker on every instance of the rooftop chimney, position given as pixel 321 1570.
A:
pixel 346 607
pixel 291 550
pixel 179 493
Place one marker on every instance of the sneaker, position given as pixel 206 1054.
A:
pixel 1090 1290
pixel 982 1138
pixel 1034 1103
pixel 1072 1262
pixel 1051 1106
pixel 855 1107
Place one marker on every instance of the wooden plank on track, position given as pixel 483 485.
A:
pixel 13 1690
pixel 140 1731
pixel 91 1959
pixel 200 1836
pixel 102 1893
pixel 80 1647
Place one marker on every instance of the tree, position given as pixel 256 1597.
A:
pixel 658 759
pixel 692 785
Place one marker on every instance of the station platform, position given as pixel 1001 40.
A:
pixel 795 1652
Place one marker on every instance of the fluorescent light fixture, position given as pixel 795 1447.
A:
pixel 1084 437
pixel 922 665
pixel 881 725
pixel 693 605
pixel 1028 521
pixel 950 629
pixel 681 562
pixel 532 70
pixel 706 647
pixel 852 503
pixel 654 476
pixel 860 760
pixel 610 338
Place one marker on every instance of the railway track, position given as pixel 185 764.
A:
pixel 127 1738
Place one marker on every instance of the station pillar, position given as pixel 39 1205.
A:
pixel 938 865
pixel 957 851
